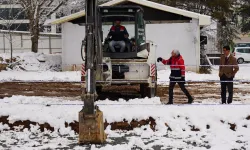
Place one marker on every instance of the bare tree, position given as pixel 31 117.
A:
pixel 73 6
pixel 37 12
pixel 10 13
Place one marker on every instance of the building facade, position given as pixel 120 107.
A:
pixel 12 17
pixel 168 27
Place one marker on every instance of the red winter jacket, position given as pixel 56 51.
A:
pixel 177 67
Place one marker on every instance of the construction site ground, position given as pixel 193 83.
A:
pixel 200 91
pixel 49 119
pixel 39 110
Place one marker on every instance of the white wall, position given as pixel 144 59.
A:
pixel 182 36
pixel 72 36
pixel 179 36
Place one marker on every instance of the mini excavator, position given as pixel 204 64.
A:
pixel 136 65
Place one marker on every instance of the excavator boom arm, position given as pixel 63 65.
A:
pixel 90 9
pixel 91 126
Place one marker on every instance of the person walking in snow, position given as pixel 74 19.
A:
pixel 228 68
pixel 177 75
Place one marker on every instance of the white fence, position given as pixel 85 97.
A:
pixel 21 42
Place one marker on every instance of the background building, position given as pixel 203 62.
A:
pixel 168 27
pixel 12 17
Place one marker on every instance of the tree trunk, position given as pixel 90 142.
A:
pixel 11 48
pixel 34 41
pixel 219 38
pixel 34 28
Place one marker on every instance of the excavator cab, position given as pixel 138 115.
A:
pixel 131 18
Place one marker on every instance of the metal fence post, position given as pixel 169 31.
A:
pixel 21 40
pixel 50 50
pixel 4 43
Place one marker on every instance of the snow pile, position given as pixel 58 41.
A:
pixel 33 61
pixel 175 125
pixel 137 101
pixel 36 67
pixel 35 108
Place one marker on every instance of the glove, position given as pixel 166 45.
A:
pixel 159 59
pixel 108 37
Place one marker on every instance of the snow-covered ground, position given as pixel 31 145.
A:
pixel 163 75
pixel 36 67
pixel 211 119
pixel 41 67
pixel 29 62
pixel 40 76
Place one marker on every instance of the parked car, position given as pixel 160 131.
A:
pixel 242 54
pixel 246 44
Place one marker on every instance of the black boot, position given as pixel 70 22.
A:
pixel 169 103
pixel 190 100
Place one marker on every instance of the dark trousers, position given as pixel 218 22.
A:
pixel 183 88
pixel 226 84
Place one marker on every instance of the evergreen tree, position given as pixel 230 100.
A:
pixel 244 13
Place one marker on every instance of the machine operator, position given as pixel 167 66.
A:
pixel 118 35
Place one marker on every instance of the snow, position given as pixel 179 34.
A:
pixel 34 61
pixel 37 67
pixel 75 76
pixel 178 117
pixel 39 107
pixel 44 67
pixel 39 76
pixel 3 126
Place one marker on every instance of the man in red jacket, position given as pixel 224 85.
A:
pixel 177 75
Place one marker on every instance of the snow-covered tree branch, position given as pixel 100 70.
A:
pixel 37 12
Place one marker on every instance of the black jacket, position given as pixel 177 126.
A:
pixel 117 33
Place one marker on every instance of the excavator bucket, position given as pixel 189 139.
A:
pixel 91 128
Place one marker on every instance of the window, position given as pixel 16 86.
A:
pixel 4 13
pixel 242 45
pixel 247 50
pixel 240 50
pixel 58 29
pixel 12 14
pixel 18 13
pixel 128 23
pixel 141 29
pixel 243 50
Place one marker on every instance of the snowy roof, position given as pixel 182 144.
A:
pixel 203 19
